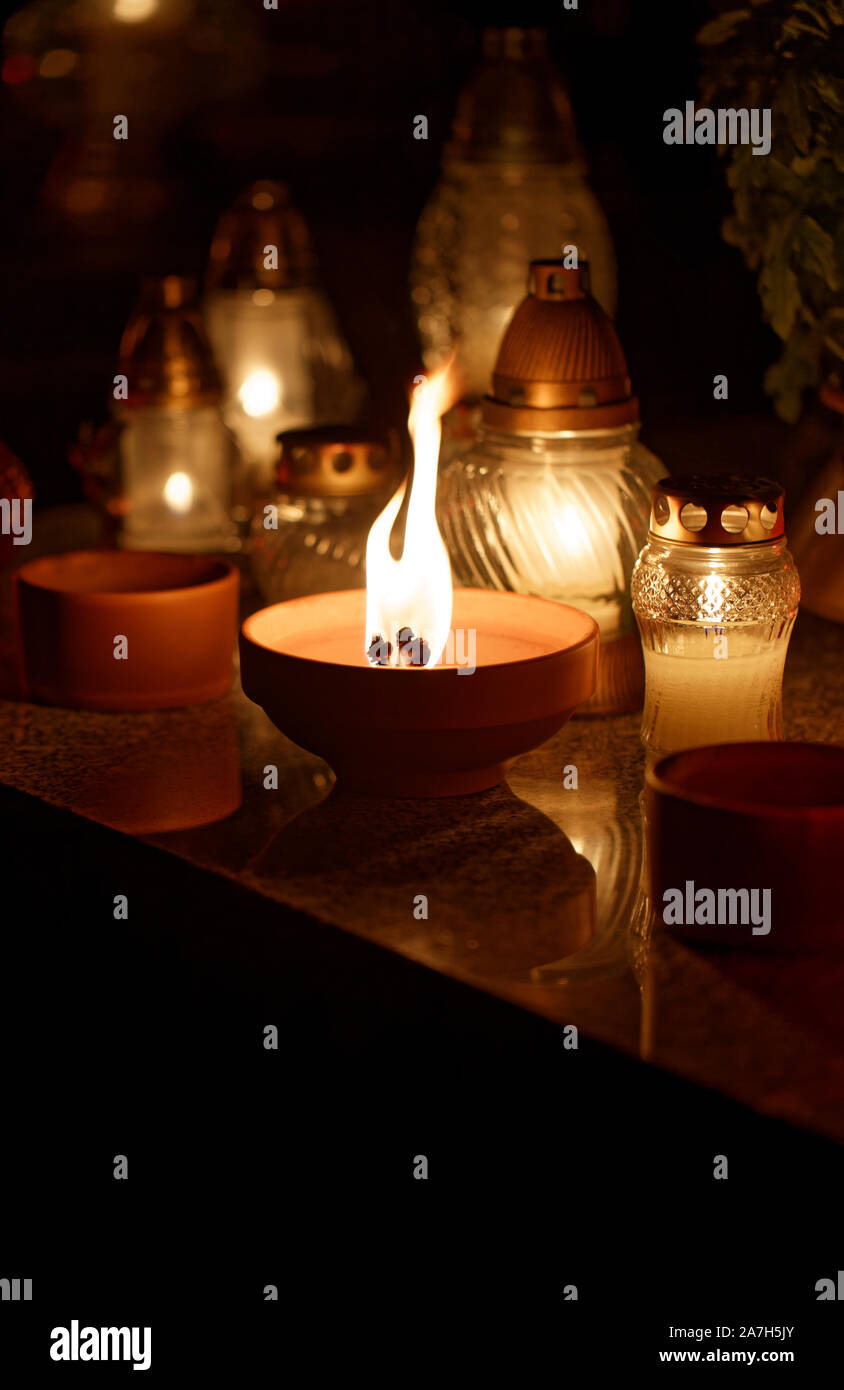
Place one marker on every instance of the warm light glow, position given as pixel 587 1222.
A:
pixel 259 394
pixel 713 597
pixel 133 11
pixel 57 63
pixel 572 533
pixel 178 492
pixel 414 591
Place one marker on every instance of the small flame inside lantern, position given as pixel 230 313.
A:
pixel 409 600
pixel 178 493
pixel 260 394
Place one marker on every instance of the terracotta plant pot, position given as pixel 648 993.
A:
pixel 177 613
pixel 404 732
pixel 765 816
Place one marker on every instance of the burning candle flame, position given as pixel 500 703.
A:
pixel 178 493
pixel 259 394
pixel 414 591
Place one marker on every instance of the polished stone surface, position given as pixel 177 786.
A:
pixel 533 890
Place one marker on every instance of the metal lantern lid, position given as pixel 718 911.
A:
pixel 262 216
pixel 515 109
pixel 560 366
pixel 165 352
pixel 722 510
pixel 337 461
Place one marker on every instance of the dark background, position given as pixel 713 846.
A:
pixel 328 92
pixel 293 1167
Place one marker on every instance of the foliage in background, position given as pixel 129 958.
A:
pixel 788 206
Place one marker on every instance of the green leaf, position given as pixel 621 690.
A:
pixel 791 107
pixel 779 179
pixel 831 91
pixel 722 28
pixel 780 296
pixel 819 251
pixel 814 12
pixel 803 165
pixel 795 27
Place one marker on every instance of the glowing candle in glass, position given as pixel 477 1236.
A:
pixel 283 358
pixel 176 455
pixel 552 499
pixel 715 592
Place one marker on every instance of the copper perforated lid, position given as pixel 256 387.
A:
pixel 723 510
pixel 515 109
pixel 337 461
pixel 560 365
pixel 165 353
pixel 262 217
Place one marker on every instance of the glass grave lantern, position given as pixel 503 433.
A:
pixel 331 484
pixel 513 184
pixel 554 496
pixel 283 358
pixel 175 455
pixel 715 592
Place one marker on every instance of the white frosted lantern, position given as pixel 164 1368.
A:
pixel 176 455
pixel 513 185
pixel 284 362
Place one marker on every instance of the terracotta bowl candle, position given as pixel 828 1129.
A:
pixel 398 731
pixel 413 688
pixel 177 616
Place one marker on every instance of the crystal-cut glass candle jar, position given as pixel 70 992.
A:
pixel 310 536
pixel 513 187
pixel 715 593
pixel 553 498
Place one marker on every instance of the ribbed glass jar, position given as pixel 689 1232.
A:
pixel 715 623
pixel 562 516
pixel 319 545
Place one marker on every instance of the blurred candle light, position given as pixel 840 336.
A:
pixel 259 394
pixel 134 11
pixel 175 453
pixel 178 492
pixel 284 362
pixel 513 184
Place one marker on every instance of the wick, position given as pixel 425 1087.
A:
pixel 413 650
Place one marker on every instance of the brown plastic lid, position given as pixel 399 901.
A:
pixel 262 216
pixel 336 461
pixel 165 352
pixel 560 365
pixel 726 509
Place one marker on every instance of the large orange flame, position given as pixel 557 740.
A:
pixel 415 591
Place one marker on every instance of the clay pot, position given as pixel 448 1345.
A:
pixel 402 732
pixel 177 613
pixel 766 816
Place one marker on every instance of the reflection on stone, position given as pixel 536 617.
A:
pixel 506 889
pixel 611 842
pixel 168 781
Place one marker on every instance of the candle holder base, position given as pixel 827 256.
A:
pixel 405 732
